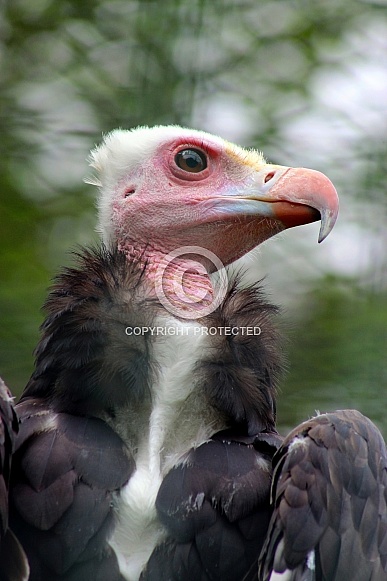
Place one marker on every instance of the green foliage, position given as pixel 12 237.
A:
pixel 338 353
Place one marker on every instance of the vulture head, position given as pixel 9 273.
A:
pixel 208 202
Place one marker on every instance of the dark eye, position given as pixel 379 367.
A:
pixel 192 160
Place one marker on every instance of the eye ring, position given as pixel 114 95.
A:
pixel 191 160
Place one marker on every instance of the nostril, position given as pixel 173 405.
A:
pixel 269 176
pixel 129 192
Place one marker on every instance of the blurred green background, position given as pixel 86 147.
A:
pixel 303 81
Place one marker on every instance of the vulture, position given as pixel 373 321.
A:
pixel 147 447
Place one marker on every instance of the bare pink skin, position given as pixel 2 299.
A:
pixel 230 207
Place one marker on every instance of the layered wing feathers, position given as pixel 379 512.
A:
pixel 215 507
pixel 330 501
pixel 67 470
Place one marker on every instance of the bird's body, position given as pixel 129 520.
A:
pixel 182 413
pixel 148 428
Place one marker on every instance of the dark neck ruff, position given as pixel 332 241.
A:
pixel 86 363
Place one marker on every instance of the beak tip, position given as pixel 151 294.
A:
pixel 308 188
pixel 328 220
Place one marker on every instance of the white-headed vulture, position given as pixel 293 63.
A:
pixel 147 447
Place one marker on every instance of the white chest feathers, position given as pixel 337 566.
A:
pixel 178 421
